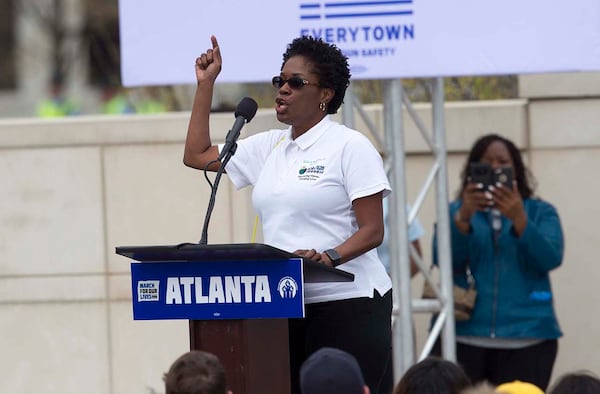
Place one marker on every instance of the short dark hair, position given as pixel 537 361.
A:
pixel 331 66
pixel 582 382
pixel 196 372
pixel 524 178
pixel 433 375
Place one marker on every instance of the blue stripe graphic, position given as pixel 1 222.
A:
pixel 366 3
pixel 306 17
pixel 310 5
pixel 354 13
pixel 367 14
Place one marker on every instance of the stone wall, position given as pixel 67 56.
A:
pixel 74 189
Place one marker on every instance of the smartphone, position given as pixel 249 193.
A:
pixel 481 173
pixel 504 175
pixel 484 173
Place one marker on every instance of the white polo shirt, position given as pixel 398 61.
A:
pixel 303 193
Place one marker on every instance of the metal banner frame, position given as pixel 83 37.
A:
pixel 402 250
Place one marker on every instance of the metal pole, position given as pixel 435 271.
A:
pixel 443 220
pixel 348 108
pixel 402 328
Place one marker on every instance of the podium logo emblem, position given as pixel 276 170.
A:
pixel 147 290
pixel 287 287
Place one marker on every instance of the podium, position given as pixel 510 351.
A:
pixel 230 317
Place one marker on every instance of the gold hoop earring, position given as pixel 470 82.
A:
pixel 322 106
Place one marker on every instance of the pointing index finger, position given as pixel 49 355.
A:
pixel 216 49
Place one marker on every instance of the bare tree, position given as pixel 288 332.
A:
pixel 49 16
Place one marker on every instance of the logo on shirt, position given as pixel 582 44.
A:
pixel 311 170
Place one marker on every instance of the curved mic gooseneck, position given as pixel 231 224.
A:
pixel 244 113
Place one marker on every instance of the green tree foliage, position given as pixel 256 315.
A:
pixel 418 90
pixel 456 88
pixel 481 88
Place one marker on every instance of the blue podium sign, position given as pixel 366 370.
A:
pixel 211 290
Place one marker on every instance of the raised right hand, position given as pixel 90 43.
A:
pixel 474 199
pixel 208 65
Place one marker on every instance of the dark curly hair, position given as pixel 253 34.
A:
pixel 330 65
pixel 524 178
pixel 583 382
pixel 433 375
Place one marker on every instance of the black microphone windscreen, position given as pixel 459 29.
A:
pixel 246 108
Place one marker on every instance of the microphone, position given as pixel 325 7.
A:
pixel 244 113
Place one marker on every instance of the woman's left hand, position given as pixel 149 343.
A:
pixel 310 254
pixel 510 204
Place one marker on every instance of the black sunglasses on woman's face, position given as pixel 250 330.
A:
pixel 293 82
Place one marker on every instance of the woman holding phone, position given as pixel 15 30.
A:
pixel 510 241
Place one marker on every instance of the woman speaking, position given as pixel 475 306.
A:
pixel 318 189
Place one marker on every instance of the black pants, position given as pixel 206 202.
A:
pixel 531 364
pixel 360 326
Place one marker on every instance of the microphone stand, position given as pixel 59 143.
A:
pixel 213 193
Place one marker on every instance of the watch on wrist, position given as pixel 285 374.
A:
pixel 334 256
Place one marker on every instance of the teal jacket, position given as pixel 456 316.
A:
pixel 514 296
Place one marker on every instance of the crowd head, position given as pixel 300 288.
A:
pixel 518 387
pixel 583 382
pixel 332 371
pixel 196 372
pixel 433 375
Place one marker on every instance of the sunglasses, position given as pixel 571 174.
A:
pixel 293 82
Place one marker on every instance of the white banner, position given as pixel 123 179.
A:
pixel 160 39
